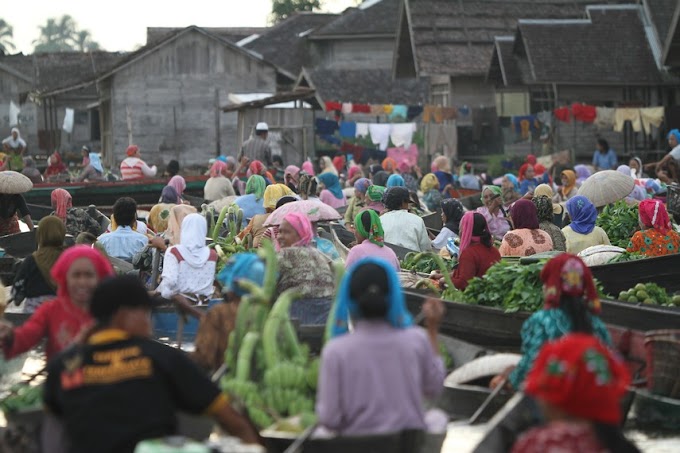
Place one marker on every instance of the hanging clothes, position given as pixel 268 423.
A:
pixel 524 125
pixel 380 134
pixel 408 155
pixel 357 152
pixel 387 109
pixel 628 114
pixel 449 113
pixel 584 113
pixel 346 108
pixel 563 114
pixel 414 111
pixel 399 111
pixel 332 139
pixel 432 113
pixel 402 134
pixel 651 116
pixel 331 106
pixel 545 118
pixel 362 130
pixel 361 108
pixel 604 118
pixel 325 127
pixel 348 129
pixel 377 109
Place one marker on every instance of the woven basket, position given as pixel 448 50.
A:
pixel 673 199
pixel 663 362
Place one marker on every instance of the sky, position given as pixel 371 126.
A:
pixel 121 24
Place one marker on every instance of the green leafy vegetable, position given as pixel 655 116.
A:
pixel 620 222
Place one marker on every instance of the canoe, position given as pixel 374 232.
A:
pixel 433 221
pixel 655 412
pixel 105 193
pixel 39 211
pixel 20 245
pixel 662 270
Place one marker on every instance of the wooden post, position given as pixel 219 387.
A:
pixel 174 132
pixel 128 115
pixel 217 123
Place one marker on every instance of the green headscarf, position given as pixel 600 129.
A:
pixel 375 193
pixel 256 185
pixel 494 189
pixel 375 234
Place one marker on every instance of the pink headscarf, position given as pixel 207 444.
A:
pixel 308 167
pixel 653 214
pixel 294 173
pixel 217 169
pixel 66 260
pixel 178 183
pixel 353 171
pixel 61 201
pixel 466 226
pixel 302 226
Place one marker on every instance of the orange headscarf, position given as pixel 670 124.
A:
pixel 571 182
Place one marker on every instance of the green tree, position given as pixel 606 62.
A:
pixel 83 41
pixel 283 9
pixel 62 35
pixel 6 34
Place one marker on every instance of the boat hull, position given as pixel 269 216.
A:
pixel 662 270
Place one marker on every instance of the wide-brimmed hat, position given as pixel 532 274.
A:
pixel 12 182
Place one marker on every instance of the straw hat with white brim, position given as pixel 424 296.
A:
pixel 12 182
pixel 607 186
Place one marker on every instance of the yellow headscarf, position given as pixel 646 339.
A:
pixel 273 193
pixel 429 182
pixel 544 190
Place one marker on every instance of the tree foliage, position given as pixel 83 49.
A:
pixel 63 35
pixel 6 35
pixel 283 9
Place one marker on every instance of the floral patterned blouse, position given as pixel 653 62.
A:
pixel 652 242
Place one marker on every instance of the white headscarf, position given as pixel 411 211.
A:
pixel 19 142
pixel 192 240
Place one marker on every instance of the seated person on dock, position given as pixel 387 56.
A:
pixel 189 267
pixel 374 379
pixel 56 169
pixel 133 167
pixel 580 386
pixel 93 171
pixel 123 242
pixel 212 337
pixel 121 387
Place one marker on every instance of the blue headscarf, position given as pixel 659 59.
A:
pixel 583 214
pixel 96 162
pixel 222 158
pixel 241 266
pixel 513 179
pixel 675 133
pixel 169 195
pixel 395 181
pixel 362 184
pixel 332 184
pixel 345 307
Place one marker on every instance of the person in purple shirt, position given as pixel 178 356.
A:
pixel 375 379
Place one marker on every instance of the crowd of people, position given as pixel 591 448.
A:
pixel 92 321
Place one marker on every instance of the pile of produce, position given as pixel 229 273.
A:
pixel 649 293
pixel 620 222
pixel 626 256
pixel 269 371
pixel 424 263
pixel 22 397
pixel 226 242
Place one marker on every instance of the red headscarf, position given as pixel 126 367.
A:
pixel 353 170
pixel 530 160
pixel 132 150
pixel 579 375
pixel 57 167
pixel 524 214
pixel 653 214
pixel 256 168
pixel 69 256
pixel 217 169
pixel 302 226
pixel 61 201
pixel 389 164
pixel 568 275
pixel 339 163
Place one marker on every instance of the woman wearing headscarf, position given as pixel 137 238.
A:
pixel 14 146
pixel 568 189
pixel 579 385
pixel 353 175
pixel 429 186
pixel 531 181
pixel 374 353
pixel 55 167
pixel 33 279
pixel 493 211
pixel 380 178
pixel 441 168
pixel 76 273
pixel 389 165
pixel 93 171
pixel 582 173
pixel 308 188
pixel 212 336
pixel 657 237
pixel 358 201
pixel 31 172
pixel 77 220
pixel 257 168
pixel 452 212
pixel 327 166
pixel 526 238
pixel 571 305
pixel 477 253
pixel 544 190
pixel 369 234
pixel 533 162
pixel 179 184
pixel 638 193
pixel 510 190
pixel 308 167
pixel 291 177
pixel 160 213
pixel 375 195
pixel 255 229
pixel 304 268
pixel 339 164
pixel 401 227
pixel 12 204
pixel 582 232
pixel 544 211
pixel 395 180
pixel 252 202
pixel 218 185
pixel 189 267
pixel 636 167
pixel 332 193
pixel 177 214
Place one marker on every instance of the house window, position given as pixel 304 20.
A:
pixel 440 94
pixel 95 131
pixel 512 103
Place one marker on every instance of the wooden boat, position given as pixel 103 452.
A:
pixel 105 193
pixel 20 245
pixel 39 211
pixel 662 270
pixel 433 221
pixel 655 412
pixel 459 192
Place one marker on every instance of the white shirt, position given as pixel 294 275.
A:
pixel 183 278
pixel 218 188
pixel 675 153
pixel 406 230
